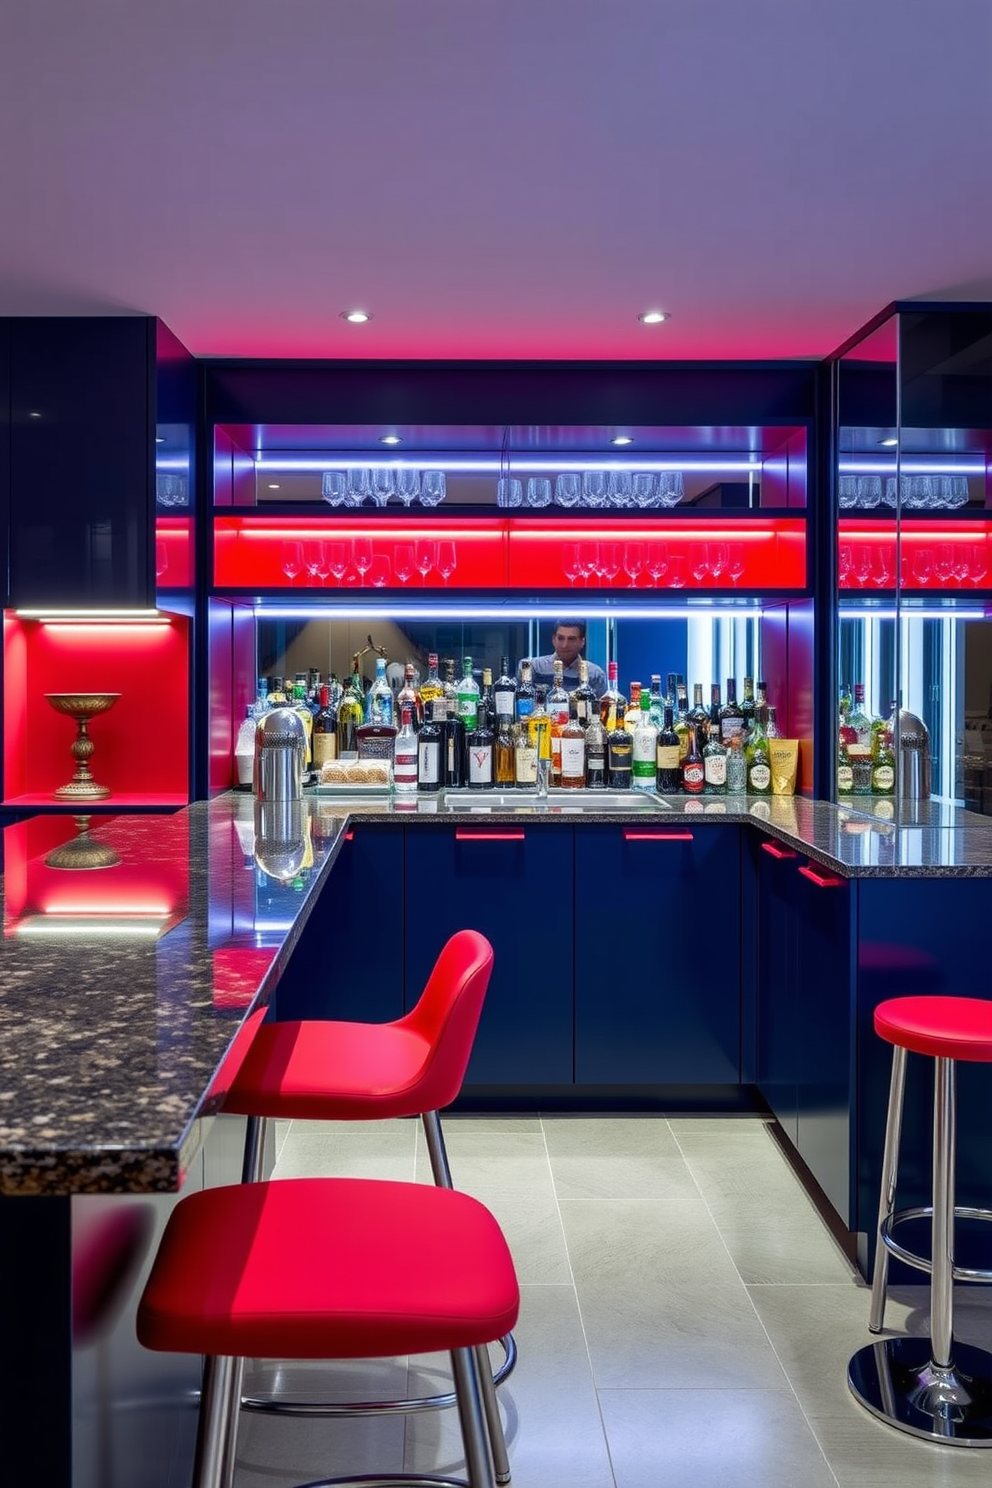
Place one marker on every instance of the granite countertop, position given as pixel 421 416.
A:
pixel 122 988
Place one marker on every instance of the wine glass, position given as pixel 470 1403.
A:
pixel 671 488
pixel 861 563
pixel 978 562
pixel 383 485
pixel 620 489
pixel 313 554
pixel 589 559
pixel 719 558
pixel 407 486
pixel 735 567
pixel 595 491
pixel 644 487
pixel 292 559
pixel 943 565
pixel 425 555
pixel 432 487
pixel 923 566
pixel 633 561
pixel 962 563
pixel 340 557
pixel 324 566
pixel 881 572
pixel 571 563
pixel 379 570
pixel 161 558
pixel 361 556
pixel 446 560
pixel 676 571
pixel 699 562
pixel 609 561
pixel 843 565
pixel 359 485
pixel 568 488
pixel 657 561
pixel 334 487
pixel 403 561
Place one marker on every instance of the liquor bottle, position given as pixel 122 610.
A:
pixel 698 716
pixel 632 713
pixel 405 755
pixel 557 706
pixel 657 701
pixel 668 774
pixel 572 747
pixel 845 772
pixel 503 769
pixel 487 703
pixel 351 716
pixel 714 717
pixel 276 695
pixel 525 749
pixel 379 703
pixel 772 730
pixel 859 719
pixel 736 766
pixel 479 743
pixel 595 754
pixel 682 726
pixel 468 698
pixel 714 764
pixel 583 701
pixel 525 692
pixel 299 705
pixel 325 731
pixel 759 774
pixel 505 692
pixel 430 745
pixel 432 688
pixel 643 759
pixel 448 687
pixel 313 683
pixel 336 691
pixel 613 704
pixel 409 697
pixel 539 731
pixel 693 770
pixel 731 717
pixel 883 767
pixel 748 708
pixel 619 751
pixel 244 744
pixel 859 748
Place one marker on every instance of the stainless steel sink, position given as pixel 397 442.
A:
pixel 555 801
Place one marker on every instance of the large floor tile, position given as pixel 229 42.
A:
pixel 643 1176
pixel 329 1155
pixel 532 1226
pixel 661 1301
pixel 814 1331
pixel 789 1251
pixel 486 1165
pixel 711 1439
pixel 300 1450
pixel 608 1136
pixel 865 1453
pixel 549 1405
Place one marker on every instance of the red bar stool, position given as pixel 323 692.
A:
pixel 335 1071
pixel 930 1387
pixel 318 1268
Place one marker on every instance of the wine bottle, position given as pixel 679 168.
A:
pixel 487 702
pixel 619 751
pixel 325 730
pixel 505 692
pixel 572 754
pixel 468 698
pixel 584 703
pixel 731 717
pixel 595 754
pixel 693 771
pixel 668 773
pixel 430 744
pixel 479 754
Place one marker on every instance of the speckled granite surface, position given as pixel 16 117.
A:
pixel 121 989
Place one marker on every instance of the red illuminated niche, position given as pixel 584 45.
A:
pixel 141 745
pixel 930 556
pixel 174 552
pixel 272 553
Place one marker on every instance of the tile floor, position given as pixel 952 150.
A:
pixel 686 1316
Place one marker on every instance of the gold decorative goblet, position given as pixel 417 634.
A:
pixel 81 851
pixel 82 706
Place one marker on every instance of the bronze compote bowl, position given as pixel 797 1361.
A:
pixel 82 706
pixel 81 851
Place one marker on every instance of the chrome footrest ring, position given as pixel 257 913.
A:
pixel 922 1263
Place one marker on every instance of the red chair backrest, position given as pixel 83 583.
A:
pixel 447 1015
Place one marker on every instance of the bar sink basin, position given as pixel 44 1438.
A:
pixel 578 801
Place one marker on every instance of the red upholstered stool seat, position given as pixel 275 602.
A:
pixel 318 1268
pixel 943 1027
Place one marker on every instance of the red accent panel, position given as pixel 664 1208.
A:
pixel 775 851
pixel 174 545
pixel 630 836
pixel 822 880
pixel 225 716
pixel 931 552
pixel 147 664
pixel 238 974
pixel 489 836
pixel 943 1027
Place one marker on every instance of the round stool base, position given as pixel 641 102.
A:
pixel 897 1381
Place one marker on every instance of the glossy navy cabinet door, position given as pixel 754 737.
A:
pixel 777 1032
pixel 82 461
pixel 657 954
pixel 349 960
pixel 514 884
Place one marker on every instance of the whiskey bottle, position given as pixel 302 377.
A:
pixel 613 704
pixel 503 769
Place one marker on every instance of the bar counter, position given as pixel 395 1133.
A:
pixel 117 1011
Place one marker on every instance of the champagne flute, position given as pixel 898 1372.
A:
pixel 570 561
pixel 379 570
pixel 292 559
pixel 719 558
pixel 403 560
pixel 633 561
pixel 362 555
pixel 313 553
pixel 699 562
pixel 943 565
pixel 589 559
pixel 324 566
pixel 425 555
pixel 735 567
pixel 446 560
pixel 843 566
pixel 881 573
pixel 657 561
pixel 978 562
pixel 340 559
pixel 861 563
pixel 609 561
pixel 923 566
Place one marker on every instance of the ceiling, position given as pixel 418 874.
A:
pixel 495 178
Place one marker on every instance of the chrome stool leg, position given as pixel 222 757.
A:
pixel 931 1387
pixel 887 1198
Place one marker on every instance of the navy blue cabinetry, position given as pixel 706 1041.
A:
pixel 514 884
pixel 777 1031
pixel 658 955
pixel 348 962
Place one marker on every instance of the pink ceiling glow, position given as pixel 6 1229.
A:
pixel 495 178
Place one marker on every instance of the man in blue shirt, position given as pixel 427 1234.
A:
pixel 568 638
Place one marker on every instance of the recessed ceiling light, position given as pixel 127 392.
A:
pixel 888 443
pixel 33 414
pixel 356 317
pixel 390 439
pixel 621 439
pixel 653 317
pixel 273 488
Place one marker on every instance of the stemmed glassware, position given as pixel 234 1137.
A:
pixel 923 566
pixel 644 487
pixel 383 485
pixel 943 565
pixel 334 487
pixel 161 558
pixel 568 488
pixel 633 561
pixel 881 572
pixel 313 554
pixel 699 562
pixel 407 485
pixel 403 561
pixel 359 485
pixel 340 559
pixel 657 561
pixel 676 571
pixel 844 565
pixel 425 555
pixel 609 561
pixel 978 563
pixel 432 487
pixel 719 558
pixel 446 560
pixel 571 564
pixel 735 566
pixel 589 559
pixel 324 564
pixel 292 560
pixel 861 563
pixel 362 555
pixel 379 570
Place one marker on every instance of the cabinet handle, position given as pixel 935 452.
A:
pixel 776 852
pixel 489 836
pixel 629 836
pixel 822 881
pixel 349 836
